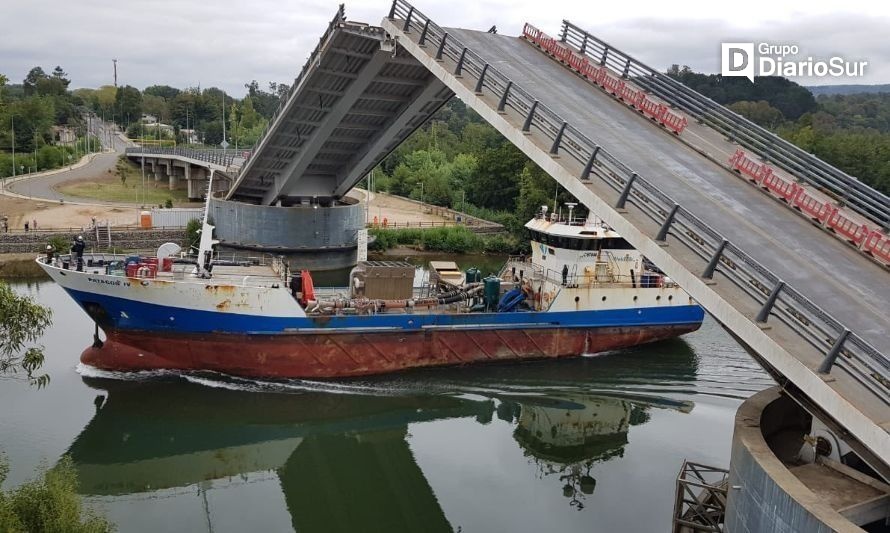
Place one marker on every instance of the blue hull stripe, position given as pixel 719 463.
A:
pixel 127 314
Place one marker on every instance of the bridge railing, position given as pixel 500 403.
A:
pixel 211 155
pixel 339 16
pixel 828 335
pixel 770 147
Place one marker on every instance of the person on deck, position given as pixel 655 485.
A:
pixel 77 250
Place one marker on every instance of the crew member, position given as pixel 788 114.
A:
pixel 49 254
pixel 77 250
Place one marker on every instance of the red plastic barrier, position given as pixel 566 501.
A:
pixel 592 71
pixel 612 85
pixel 560 51
pixel 756 172
pixel 872 241
pixel 817 210
pixel 631 96
pixel 674 122
pixel 652 109
pixel 783 189
pixel 852 231
pixel 881 250
pixel 532 33
pixel 577 61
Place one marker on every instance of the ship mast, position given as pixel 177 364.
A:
pixel 205 245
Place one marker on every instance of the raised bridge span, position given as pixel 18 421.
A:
pixel 788 253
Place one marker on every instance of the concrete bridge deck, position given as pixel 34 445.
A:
pixel 832 274
pixel 678 207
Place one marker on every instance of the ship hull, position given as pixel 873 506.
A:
pixel 343 354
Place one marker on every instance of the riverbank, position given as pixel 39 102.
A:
pixel 20 266
pixel 450 239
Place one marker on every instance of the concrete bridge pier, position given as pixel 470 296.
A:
pixel 197 182
pixel 789 472
pixel 311 234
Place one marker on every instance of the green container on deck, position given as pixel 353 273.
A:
pixel 473 275
pixel 492 292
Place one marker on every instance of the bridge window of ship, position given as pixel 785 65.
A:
pixel 575 243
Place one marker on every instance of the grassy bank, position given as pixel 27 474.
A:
pixel 124 184
pixel 20 266
pixel 456 239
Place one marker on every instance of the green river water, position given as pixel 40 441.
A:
pixel 591 444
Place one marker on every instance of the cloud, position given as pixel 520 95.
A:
pixel 227 43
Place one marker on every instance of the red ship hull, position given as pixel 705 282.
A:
pixel 356 354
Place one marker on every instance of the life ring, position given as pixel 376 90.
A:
pixel 143 272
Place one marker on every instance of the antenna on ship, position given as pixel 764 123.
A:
pixel 205 247
pixel 571 206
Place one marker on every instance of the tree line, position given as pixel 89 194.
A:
pixel 201 111
pixel 849 131
pixel 28 113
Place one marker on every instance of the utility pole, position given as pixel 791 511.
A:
pixel 12 120
pixel 115 72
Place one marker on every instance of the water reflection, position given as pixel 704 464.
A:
pixel 343 457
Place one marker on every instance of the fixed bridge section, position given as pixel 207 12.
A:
pixel 768 275
pixel 356 99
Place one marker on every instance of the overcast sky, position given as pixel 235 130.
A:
pixel 226 43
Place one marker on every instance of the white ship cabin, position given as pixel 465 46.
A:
pixel 582 263
pixel 585 250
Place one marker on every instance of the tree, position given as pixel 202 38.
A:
pixel 163 91
pixel 22 322
pixel 128 104
pixel 157 106
pixel 760 113
pixel 30 82
pixel 49 503
pixel 497 178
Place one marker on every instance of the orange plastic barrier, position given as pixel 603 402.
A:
pixel 816 210
pixel 577 61
pixel 853 232
pixel 652 109
pixel 631 96
pixel 598 74
pixel 612 85
pixel 882 251
pixel 872 241
pixel 756 172
pixel 674 122
pixel 591 71
pixel 560 51
pixel 781 188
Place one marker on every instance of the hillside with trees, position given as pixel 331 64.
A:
pixel 849 131
pixel 32 115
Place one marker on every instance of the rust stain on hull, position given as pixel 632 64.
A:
pixel 356 354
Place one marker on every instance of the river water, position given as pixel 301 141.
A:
pixel 591 444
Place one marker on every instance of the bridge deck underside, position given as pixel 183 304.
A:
pixel 356 103
pixel 835 276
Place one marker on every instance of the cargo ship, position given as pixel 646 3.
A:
pixel 583 290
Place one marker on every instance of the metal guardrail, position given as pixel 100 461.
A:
pixel 215 156
pixel 770 147
pixel 832 338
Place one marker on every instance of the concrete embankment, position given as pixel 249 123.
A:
pixel 123 239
